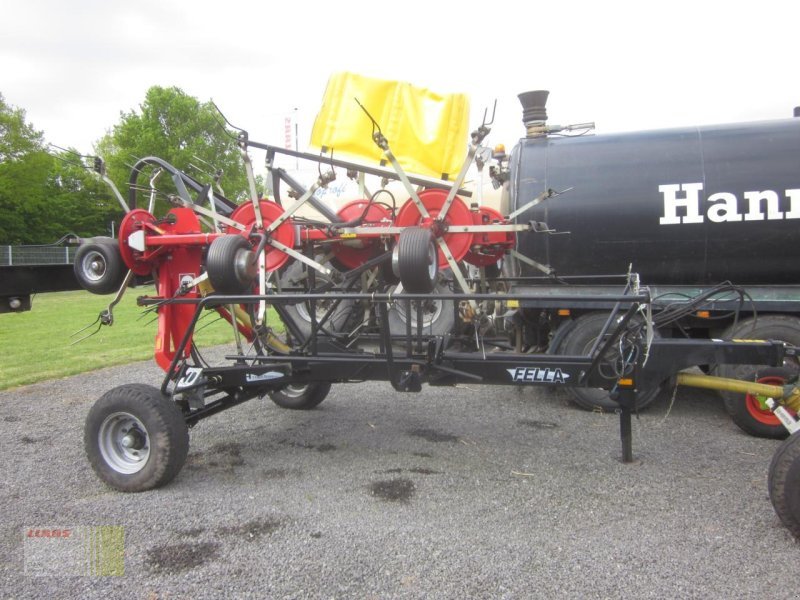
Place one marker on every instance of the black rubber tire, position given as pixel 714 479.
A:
pixel 766 327
pixel 578 340
pixel 784 483
pixel 160 423
pixel 747 416
pixel 98 266
pixel 439 316
pixel 231 265
pixel 306 397
pixel 417 260
pixel 295 277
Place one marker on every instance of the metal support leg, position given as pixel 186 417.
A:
pixel 626 397
pixel 626 434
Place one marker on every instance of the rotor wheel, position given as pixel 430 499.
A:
pixel 351 254
pixel 489 247
pixel 270 212
pixel 458 215
pixel 134 259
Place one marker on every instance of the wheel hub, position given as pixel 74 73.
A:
pixel 97 267
pixel 124 443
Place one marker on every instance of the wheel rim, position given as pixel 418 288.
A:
pixel 294 390
pixel 245 266
pixel 93 266
pixel 431 310
pixel 433 267
pixel 124 443
pixel 321 306
pixel 756 405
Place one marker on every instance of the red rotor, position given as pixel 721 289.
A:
pixel 134 259
pixel 458 215
pixel 354 253
pixel 487 248
pixel 270 212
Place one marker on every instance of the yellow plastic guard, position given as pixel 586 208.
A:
pixel 427 132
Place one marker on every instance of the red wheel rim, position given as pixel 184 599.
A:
pixel 270 212
pixel 754 408
pixel 354 253
pixel 488 248
pixel 458 215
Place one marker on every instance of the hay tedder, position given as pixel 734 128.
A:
pixel 414 289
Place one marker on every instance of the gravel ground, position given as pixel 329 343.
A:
pixel 467 492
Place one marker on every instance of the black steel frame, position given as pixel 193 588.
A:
pixel 407 361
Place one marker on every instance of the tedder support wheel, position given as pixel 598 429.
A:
pixel 98 266
pixel 301 397
pixel 135 438
pixel 231 264
pixel 784 483
pixel 416 260
pixel 579 341
pixel 746 410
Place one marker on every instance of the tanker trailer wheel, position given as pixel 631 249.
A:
pixel 135 438
pixel 98 266
pixel 301 397
pixel 579 341
pixel 784 483
pixel 231 264
pixel 747 411
pixel 415 260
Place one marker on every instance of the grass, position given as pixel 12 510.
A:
pixel 35 345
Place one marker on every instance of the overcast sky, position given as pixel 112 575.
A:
pixel 73 66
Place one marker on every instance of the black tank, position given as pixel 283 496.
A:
pixel 690 206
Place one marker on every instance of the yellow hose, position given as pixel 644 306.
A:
pixel 241 316
pixel 788 396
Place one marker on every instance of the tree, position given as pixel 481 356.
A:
pixel 85 205
pixel 17 138
pixel 44 196
pixel 24 168
pixel 180 129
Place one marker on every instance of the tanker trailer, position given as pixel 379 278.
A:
pixel 691 210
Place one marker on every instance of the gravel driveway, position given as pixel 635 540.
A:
pixel 466 492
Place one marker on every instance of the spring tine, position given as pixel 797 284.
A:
pixel 86 337
pixel 87 327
